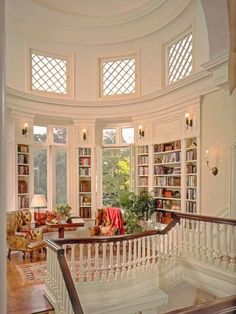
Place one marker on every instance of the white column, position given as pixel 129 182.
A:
pixel 2 165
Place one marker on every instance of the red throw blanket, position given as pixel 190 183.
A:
pixel 116 220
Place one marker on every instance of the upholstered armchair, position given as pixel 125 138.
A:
pixel 109 222
pixel 20 235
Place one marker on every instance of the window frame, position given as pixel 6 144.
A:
pixel 118 130
pixel 105 59
pixel 69 58
pixel 51 149
pixel 166 55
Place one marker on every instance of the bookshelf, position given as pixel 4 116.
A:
pixel 23 172
pixel 191 175
pixel 167 175
pixel 142 168
pixel 85 186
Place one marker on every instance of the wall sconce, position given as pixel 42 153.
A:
pixel 84 134
pixel 25 129
pixel 214 170
pixel 140 132
pixel 188 120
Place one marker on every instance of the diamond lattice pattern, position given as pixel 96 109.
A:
pixel 49 74
pixel 119 77
pixel 180 59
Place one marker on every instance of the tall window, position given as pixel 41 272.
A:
pixel 50 163
pixel 118 76
pixel 116 174
pixel 49 74
pixel 61 176
pixel 180 58
pixel 40 171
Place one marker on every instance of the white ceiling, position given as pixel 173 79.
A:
pixel 95 8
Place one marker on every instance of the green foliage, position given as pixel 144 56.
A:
pixel 64 210
pixel 137 207
pixel 116 174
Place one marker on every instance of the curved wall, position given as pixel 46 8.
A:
pixel 146 40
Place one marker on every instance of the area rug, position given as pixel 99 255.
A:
pixel 32 273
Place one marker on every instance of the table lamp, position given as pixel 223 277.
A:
pixel 38 201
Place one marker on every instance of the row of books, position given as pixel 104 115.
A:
pixel 166 170
pixel 143 171
pixel 167 147
pixel 84 151
pixel 191 194
pixel 191 168
pixel 85 212
pixel 142 159
pixel 163 192
pixel 191 181
pixel 167 181
pixel 191 155
pixel 85 171
pixel 143 181
pixel 143 149
pixel 191 207
pixel 167 158
pixel 23 202
pixel 23 170
pixel 84 161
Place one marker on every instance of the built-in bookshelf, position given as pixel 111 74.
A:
pixel 85 187
pixel 23 172
pixel 167 175
pixel 143 168
pixel 191 175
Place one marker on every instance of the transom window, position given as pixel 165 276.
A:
pixel 118 76
pixel 49 74
pixel 180 58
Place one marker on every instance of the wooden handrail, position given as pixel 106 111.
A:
pixel 212 219
pixel 73 295
pixel 219 306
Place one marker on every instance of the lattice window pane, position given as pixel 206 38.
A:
pixel 180 59
pixel 49 74
pixel 118 77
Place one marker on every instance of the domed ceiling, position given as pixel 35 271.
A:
pixel 95 22
pixel 95 8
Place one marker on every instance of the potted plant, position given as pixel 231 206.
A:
pixel 64 211
pixel 137 208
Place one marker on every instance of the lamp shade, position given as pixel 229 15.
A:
pixel 39 201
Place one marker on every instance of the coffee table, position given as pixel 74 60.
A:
pixel 61 227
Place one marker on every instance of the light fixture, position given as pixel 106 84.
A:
pixel 25 129
pixel 140 132
pixel 84 134
pixel 38 201
pixel 188 120
pixel 214 170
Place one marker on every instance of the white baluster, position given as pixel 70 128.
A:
pixel 129 268
pixel 232 255
pixel 139 256
pixel 193 244
pixel 148 257
pixel 89 270
pixel 96 274
pixel 111 272
pixel 104 270
pixel 72 263
pixel 143 253
pixel 153 256
pixel 204 246
pixel 118 264
pixel 210 243
pixel 81 262
pixel 123 272
pixel 225 260
pixel 134 269
pixel 198 239
pixel 217 245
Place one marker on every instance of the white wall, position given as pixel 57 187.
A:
pixel 25 34
pixel 218 134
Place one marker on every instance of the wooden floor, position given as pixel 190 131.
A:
pixel 23 298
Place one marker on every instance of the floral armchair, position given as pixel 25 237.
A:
pixel 20 235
